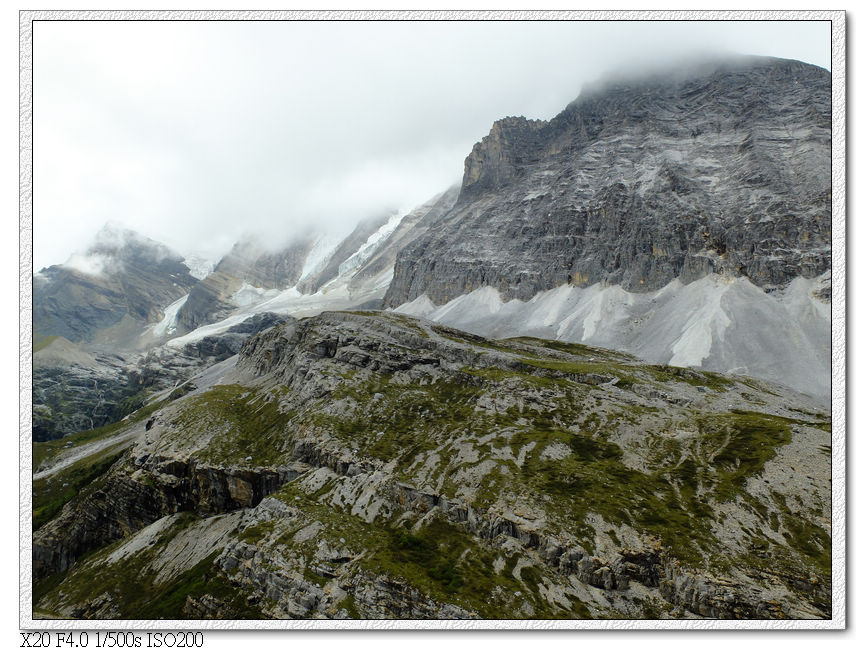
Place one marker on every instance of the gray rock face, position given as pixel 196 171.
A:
pixel 725 169
pixel 68 399
pixel 165 366
pixel 413 225
pixel 124 503
pixel 269 270
pixel 131 276
pixel 209 300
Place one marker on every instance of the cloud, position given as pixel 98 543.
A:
pixel 88 264
pixel 196 132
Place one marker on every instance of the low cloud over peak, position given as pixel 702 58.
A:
pixel 281 128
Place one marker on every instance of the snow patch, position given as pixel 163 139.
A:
pixel 320 254
pixel 369 247
pixel 199 267
pixel 289 302
pixel 249 295
pixel 168 324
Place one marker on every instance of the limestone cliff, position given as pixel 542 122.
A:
pixel 724 168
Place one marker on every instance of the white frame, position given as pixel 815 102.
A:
pixel 839 449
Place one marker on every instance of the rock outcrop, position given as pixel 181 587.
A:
pixel 72 397
pixel 74 390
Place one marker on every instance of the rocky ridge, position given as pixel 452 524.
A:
pixel 248 263
pixel 375 465
pixel 88 383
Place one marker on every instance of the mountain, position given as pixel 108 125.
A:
pixel 91 317
pixel 374 465
pixel 682 218
pixel 248 264
pixel 637 184
pixel 121 283
pixel 514 419
pixel 329 273
pixel 597 225
pixel 329 269
pixel 89 381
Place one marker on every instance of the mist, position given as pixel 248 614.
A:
pixel 196 133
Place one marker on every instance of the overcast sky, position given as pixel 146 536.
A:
pixel 195 132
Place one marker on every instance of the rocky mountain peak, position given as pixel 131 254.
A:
pixel 496 159
pixel 255 261
pixel 119 244
pixel 638 183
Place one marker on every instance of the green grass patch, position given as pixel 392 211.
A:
pixel 248 422
pixel 747 440
pixel 808 539
pixel 203 579
pixel 446 561
pixel 256 533
pixel 406 321
pixel 705 378
pixel 404 420
pixel 350 606
pixel 42 342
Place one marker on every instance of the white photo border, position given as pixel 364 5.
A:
pixel 838 307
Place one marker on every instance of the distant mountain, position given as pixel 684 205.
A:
pixel 314 273
pixel 120 283
pixel 94 360
pixel 250 263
